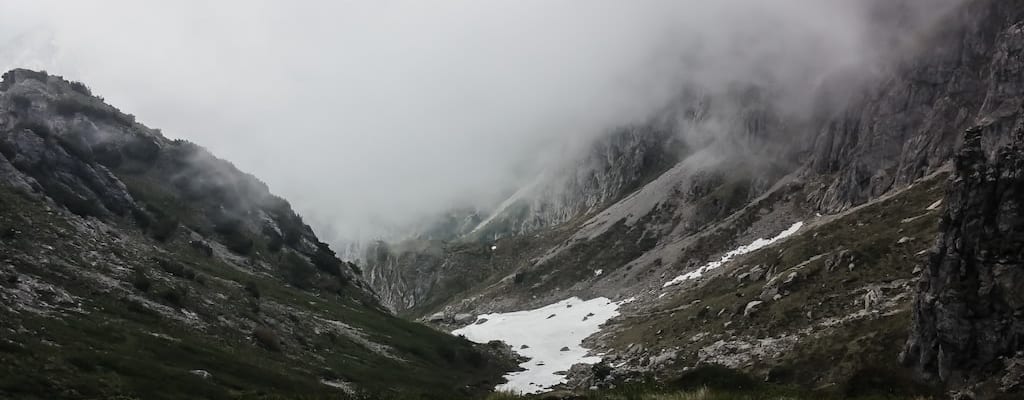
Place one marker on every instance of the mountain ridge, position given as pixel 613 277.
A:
pixel 136 265
pixel 885 148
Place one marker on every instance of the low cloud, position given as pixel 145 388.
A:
pixel 371 115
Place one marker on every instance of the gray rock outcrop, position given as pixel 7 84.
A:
pixel 969 312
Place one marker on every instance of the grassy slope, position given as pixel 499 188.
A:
pixel 858 360
pixel 859 357
pixel 109 348
pixel 128 306
pixel 705 383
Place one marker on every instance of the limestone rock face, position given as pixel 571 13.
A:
pixel 909 126
pixel 969 313
pixel 48 167
pixel 610 169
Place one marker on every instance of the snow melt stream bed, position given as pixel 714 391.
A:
pixel 755 245
pixel 551 336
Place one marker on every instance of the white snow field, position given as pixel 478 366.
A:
pixel 551 336
pixel 755 245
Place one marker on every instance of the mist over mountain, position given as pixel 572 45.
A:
pixel 397 111
pixel 498 200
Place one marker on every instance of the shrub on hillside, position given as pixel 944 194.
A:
pixel 176 269
pixel 140 281
pixel 296 271
pixel 238 243
pixel 201 247
pixel 163 227
pixel 80 88
pixel 232 231
pixel 274 240
pixel 175 296
pixel 252 289
pixel 331 283
pixel 292 228
pixel 142 219
pixel 267 338
pixel 325 260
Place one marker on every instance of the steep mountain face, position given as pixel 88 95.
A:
pixel 613 167
pixel 134 265
pixel 965 69
pixel 415 274
pixel 968 325
pixel 863 172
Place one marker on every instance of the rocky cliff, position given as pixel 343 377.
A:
pixel 969 312
pixel 965 68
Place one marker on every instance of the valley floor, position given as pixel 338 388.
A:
pixel 708 383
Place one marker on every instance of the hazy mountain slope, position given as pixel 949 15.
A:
pixel 613 167
pixel 960 74
pixel 413 274
pixel 788 170
pixel 859 170
pixel 135 265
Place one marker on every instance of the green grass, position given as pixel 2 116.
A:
pixel 109 350
pixel 696 394
pixel 704 383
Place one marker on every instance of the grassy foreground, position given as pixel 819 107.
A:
pixel 704 393
pixel 638 393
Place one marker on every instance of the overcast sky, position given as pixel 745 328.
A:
pixel 381 111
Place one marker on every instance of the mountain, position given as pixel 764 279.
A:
pixel 137 266
pixel 614 166
pixel 860 237
pixel 797 248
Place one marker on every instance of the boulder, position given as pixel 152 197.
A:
pixel 752 307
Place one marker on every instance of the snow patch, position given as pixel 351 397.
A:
pixel 541 334
pixel 935 205
pixel 598 272
pixel 755 245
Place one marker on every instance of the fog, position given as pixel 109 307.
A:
pixel 370 115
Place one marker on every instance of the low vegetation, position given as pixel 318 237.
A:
pixel 855 270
